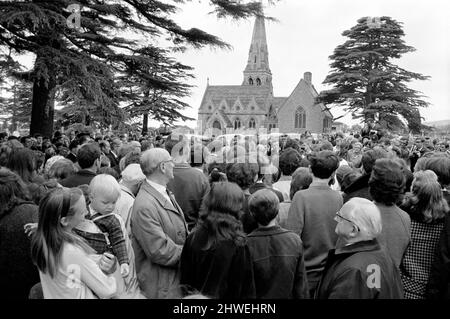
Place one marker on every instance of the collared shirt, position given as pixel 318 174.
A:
pixel 160 188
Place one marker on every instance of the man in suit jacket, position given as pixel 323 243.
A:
pixel 190 184
pixel 89 161
pixel 74 146
pixel 158 228
pixel 106 149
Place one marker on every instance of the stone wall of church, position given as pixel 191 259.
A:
pixel 300 97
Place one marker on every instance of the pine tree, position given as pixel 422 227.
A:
pixel 79 54
pixel 365 80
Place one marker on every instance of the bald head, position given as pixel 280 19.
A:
pixel 365 215
pixel 151 159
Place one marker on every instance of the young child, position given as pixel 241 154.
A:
pixel 277 253
pixel 104 192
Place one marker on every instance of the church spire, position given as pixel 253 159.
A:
pixel 257 71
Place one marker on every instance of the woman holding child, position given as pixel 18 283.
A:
pixel 67 266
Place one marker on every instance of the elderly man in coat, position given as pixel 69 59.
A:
pixel 359 268
pixel 158 228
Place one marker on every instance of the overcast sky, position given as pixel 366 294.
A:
pixel 307 33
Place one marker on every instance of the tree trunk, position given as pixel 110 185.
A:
pixel 145 124
pixel 43 105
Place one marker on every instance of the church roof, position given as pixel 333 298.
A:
pixel 230 93
pixel 226 118
pixel 277 102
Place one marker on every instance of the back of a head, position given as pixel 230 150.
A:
pixel 428 197
pixel 366 215
pixel 12 188
pixel 134 157
pixel 23 162
pixel 264 206
pixel 301 179
pixel 289 161
pixel 61 169
pixel 109 171
pixel 243 174
pixel 145 145
pixel 325 146
pixel 341 172
pixel 369 158
pixel 124 150
pixel 441 166
pixel 386 182
pixel 324 164
pixel 132 174
pixel 225 198
pixel 88 154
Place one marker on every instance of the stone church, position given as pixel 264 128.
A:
pixel 251 105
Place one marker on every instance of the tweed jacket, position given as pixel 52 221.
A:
pixel 159 231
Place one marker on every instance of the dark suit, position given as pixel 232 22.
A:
pixel 113 159
pixel 71 156
pixel 189 186
pixel 79 178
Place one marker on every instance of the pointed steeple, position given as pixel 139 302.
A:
pixel 257 71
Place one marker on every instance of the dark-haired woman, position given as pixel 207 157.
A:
pixel 67 266
pixel 215 259
pixel 23 162
pixel 17 272
pixel 427 209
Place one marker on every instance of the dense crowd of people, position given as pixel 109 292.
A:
pixel 360 215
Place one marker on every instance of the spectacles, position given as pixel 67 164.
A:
pixel 341 217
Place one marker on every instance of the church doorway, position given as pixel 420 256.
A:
pixel 216 126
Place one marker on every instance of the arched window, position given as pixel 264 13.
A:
pixel 250 81
pixel 252 123
pixel 300 118
pixel 255 58
pixel 237 124
pixel 258 81
pixel 238 108
pixel 217 125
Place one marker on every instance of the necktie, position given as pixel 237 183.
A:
pixel 172 199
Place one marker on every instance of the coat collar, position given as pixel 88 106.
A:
pixel 367 245
pixel 269 231
pixel 182 165
pixel 127 190
pixel 160 198
pixel 86 172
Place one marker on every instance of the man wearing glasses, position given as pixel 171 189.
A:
pixel 359 268
pixel 158 227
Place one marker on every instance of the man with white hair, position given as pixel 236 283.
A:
pixel 158 227
pixel 359 268
pixel 132 178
